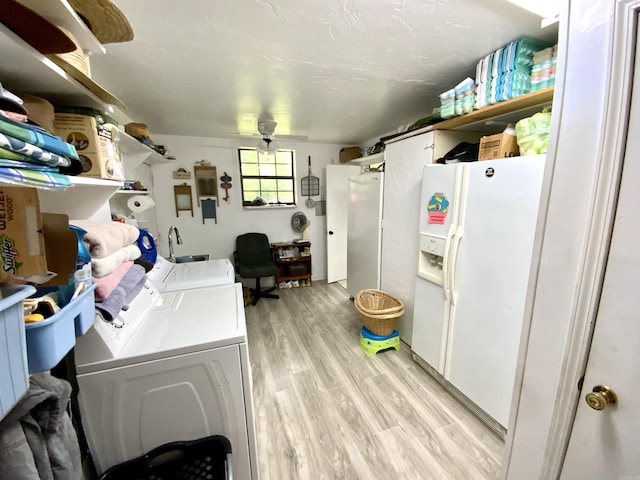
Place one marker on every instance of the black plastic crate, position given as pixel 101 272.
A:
pixel 208 458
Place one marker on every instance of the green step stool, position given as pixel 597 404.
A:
pixel 371 343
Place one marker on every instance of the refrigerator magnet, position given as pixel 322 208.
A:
pixel 437 208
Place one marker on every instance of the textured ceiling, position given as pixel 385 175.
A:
pixel 339 71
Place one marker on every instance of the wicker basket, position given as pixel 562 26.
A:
pixel 379 310
pixel 377 302
pixel 382 325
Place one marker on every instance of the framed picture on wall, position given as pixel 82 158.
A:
pixel 182 194
pixel 206 178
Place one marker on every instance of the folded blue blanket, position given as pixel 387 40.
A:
pixel 32 151
pixel 37 136
pixel 33 178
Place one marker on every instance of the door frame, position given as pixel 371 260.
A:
pixel 584 166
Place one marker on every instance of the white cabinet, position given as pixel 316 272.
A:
pixel 404 163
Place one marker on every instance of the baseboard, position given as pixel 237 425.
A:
pixel 462 398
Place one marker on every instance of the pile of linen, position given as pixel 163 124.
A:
pixel 29 154
pixel 114 269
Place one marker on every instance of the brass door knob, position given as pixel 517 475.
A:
pixel 601 397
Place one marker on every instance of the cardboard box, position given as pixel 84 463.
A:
pixel 95 137
pixel 22 252
pixel 349 153
pixel 501 145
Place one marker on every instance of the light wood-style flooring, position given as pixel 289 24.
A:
pixel 326 410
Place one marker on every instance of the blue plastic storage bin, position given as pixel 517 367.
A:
pixel 14 376
pixel 50 340
pixel 84 310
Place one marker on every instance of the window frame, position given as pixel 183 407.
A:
pixel 291 177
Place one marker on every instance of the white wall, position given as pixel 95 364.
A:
pixel 218 240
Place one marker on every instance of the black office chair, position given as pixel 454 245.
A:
pixel 254 259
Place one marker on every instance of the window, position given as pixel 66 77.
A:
pixel 267 176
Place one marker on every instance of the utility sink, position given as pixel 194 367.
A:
pixel 192 258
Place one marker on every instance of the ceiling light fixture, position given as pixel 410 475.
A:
pixel 266 145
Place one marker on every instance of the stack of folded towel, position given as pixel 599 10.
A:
pixel 29 154
pixel 113 252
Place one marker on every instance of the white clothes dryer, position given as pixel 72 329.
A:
pixel 174 366
pixel 169 276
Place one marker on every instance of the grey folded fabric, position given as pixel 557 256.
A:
pixel 37 438
pixel 123 294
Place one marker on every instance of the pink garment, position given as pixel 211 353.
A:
pixel 108 283
pixel 103 239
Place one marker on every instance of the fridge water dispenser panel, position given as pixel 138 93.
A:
pixel 431 258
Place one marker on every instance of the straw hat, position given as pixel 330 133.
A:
pixel 37 31
pixel 104 19
pixel 75 64
pixel 137 129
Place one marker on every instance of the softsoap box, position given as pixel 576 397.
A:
pixel 95 137
pixel 22 251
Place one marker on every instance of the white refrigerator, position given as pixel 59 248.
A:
pixel 477 226
pixel 364 234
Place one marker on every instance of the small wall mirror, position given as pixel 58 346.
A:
pixel 182 194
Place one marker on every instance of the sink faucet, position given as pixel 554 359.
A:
pixel 173 229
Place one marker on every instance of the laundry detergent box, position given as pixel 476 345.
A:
pixel 95 136
pixel 22 250
pixel 501 145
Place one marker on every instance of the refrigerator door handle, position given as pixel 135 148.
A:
pixel 452 264
pixel 446 288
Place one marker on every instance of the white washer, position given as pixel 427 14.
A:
pixel 169 276
pixel 174 366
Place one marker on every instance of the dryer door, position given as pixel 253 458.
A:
pixel 130 410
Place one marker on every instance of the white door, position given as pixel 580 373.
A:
pixel 491 255
pixel 364 238
pixel 337 178
pixel 606 443
pixel 441 188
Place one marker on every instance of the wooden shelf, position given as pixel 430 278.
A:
pixel 24 69
pixel 518 107
pixel 491 119
pixel 292 268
